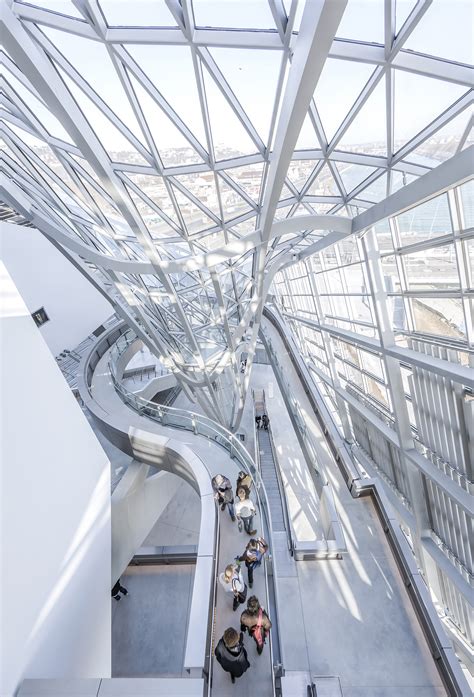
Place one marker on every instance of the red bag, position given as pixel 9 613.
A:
pixel 258 633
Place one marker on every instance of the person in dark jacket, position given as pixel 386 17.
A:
pixel 223 493
pixel 231 653
pixel 117 589
pixel 256 621
pixel 253 555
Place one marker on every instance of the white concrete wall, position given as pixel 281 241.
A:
pixel 47 279
pixel 55 530
pixel 137 503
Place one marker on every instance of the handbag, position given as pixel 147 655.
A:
pixel 258 633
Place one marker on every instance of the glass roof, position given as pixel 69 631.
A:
pixel 180 104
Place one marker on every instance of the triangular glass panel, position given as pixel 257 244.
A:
pixel 324 184
pixel 202 186
pixel 158 228
pixel 402 10
pixel 429 35
pixel 172 146
pixel 353 175
pixel 418 101
pixel 117 146
pixel 154 187
pixel 44 115
pixel 362 21
pixel 249 178
pixel 376 191
pixel 140 13
pixel 333 104
pixel 230 138
pixel 443 144
pixel 253 77
pixel 85 55
pixel 64 7
pixel 194 218
pixel 368 131
pixel 171 70
pixel 233 204
pixel 299 171
pixel 307 139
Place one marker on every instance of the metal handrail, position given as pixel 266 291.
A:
pixel 200 425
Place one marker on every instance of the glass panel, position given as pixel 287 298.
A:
pixel 233 204
pixel 469 254
pixel 177 83
pixel 443 144
pixel 362 20
pixel 299 171
pixel 431 35
pixel 384 236
pixel 353 175
pixel 64 7
pixel 241 14
pixel 85 56
pixel 402 10
pixel 440 316
pixel 333 103
pixel 252 76
pixel 376 191
pixel 249 178
pixel 390 274
pixel 467 198
pixel 368 133
pixel 324 184
pixel 432 269
pixel 424 222
pixel 139 13
pixel 172 146
pixel 117 146
pixel 307 139
pixel 229 136
pixel 418 101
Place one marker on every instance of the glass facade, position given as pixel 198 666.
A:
pixel 189 156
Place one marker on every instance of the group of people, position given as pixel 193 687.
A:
pixel 262 421
pixel 230 651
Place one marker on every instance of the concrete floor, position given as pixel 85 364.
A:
pixel 149 624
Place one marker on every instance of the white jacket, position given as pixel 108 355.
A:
pixel 245 508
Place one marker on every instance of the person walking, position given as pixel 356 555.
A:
pixel 253 556
pixel 257 421
pixel 231 653
pixel 233 582
pixel 244 480
pixel 223 493
pixel 265 422
pixel 256 621
pixel 117 589
pixel 245 511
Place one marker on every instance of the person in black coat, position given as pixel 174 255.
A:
pixel 117 589
pixel 231 653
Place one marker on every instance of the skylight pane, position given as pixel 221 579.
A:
pixel 235 14
pixel 139 13
pixel 363 21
